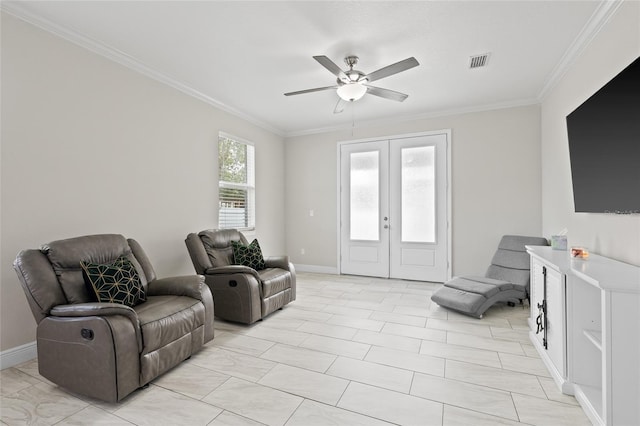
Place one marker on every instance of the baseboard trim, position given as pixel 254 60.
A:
pixel 317 269
pixel 18 355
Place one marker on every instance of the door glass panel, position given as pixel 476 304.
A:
pixel 365 189
pixel 418 195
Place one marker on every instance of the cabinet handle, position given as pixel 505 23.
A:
pixel 545 343
pixel 539 320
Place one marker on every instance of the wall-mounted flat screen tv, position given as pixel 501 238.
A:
pixel 604 146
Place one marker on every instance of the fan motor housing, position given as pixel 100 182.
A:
pixel 353 76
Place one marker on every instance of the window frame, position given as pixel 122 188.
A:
pixel 249 186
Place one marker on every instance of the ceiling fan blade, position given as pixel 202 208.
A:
pixel 331 66
pixel 393 69
pixel 317 89
pixel 386 93
pixel 340 106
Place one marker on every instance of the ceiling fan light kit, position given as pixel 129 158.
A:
pixel 352 84
pixel 351 91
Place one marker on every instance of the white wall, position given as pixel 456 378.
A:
pixel 89 146
pixel 495 184
pixel 616 236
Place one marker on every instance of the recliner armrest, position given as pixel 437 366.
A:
pixel 281 262
pixel 93 309
pixel 186 285
pixel 232 269
pixel 100 309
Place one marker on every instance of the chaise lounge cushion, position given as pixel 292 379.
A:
pixel 480 285
pixel 458 300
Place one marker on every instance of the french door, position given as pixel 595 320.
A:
pixel 394 208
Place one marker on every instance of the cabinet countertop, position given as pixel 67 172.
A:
pixel 600 271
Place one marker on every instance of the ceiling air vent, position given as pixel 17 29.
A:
pixel 478 61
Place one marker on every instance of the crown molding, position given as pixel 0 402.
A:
pixel 417 117
pixel 598 19
pixel 15 9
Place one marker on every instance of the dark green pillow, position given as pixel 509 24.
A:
pixel 250 255
pixel 116 282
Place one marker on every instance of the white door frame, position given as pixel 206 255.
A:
pixel 446 132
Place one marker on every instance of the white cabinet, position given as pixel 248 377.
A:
pixel 548 317
pixel 593 331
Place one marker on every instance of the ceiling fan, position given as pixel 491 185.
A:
pixel 353 84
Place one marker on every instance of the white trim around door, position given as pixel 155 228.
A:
pixel 392 247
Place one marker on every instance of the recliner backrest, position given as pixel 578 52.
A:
pixel 511 260
pixel 39 283
pixel 217 244
pixel 52 275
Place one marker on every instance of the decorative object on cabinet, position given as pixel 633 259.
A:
pixel 579 252
pixel 559 242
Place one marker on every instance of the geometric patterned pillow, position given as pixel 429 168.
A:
pixel 117 282
pixel 250 255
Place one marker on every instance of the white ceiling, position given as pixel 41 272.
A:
pixel 243 56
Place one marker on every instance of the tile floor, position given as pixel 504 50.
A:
pixel 349 351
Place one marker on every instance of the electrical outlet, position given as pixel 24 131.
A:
pixel 311 212
pixel 302 251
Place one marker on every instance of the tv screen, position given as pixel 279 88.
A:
pixel 604 147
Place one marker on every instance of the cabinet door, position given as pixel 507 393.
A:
pixel 556 320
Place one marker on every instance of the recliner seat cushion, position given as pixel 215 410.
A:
pixel 274 281
pixel 164 319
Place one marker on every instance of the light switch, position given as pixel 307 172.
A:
pixel 311 212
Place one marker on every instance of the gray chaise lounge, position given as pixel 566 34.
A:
pixel 506 280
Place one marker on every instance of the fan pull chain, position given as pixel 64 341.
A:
pixel 353 117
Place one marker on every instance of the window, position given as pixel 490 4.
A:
pixel 237 192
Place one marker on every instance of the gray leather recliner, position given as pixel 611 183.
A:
pixel 108 350
pixel 240 293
